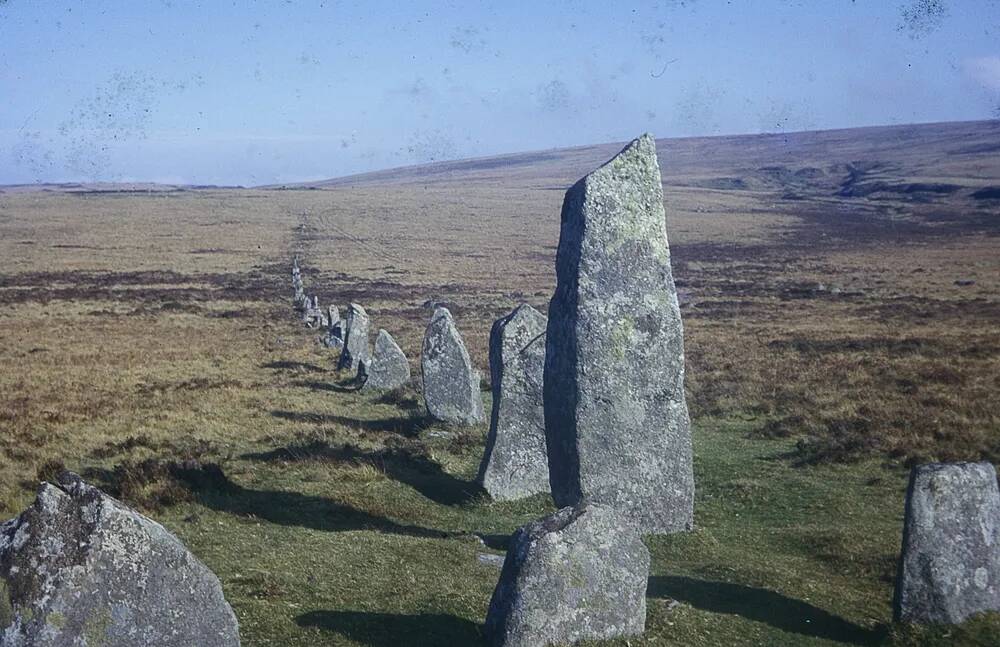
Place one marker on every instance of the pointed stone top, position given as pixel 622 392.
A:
pixel 525 311
pixel 356 308
pixel 441 311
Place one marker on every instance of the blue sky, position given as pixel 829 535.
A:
pixel 260 92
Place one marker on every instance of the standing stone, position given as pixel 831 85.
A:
pixel 356 345
pixel 949 568
pixel 451 385
pixel 616 420
pixel 332 316
pixel 314 317
pixel 515 463
pixel 578 574
pixel 389 368
pixel 83 569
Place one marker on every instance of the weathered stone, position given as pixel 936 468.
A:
pixel 332 316
pixel 616 419
pixel 515 463
pixel 578 574
pixel 356 344
pixel 334 338
pixel 949 568
pixel 314 317
pixel 451 385
pixel 83 569
pixel 389 368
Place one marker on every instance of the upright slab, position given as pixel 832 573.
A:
pixel 617 424
pixel 578 574
pixel 83 569
pixel 515 464
pixel 388 369
pixel 451 385
pixel 949 568
pixel 356 344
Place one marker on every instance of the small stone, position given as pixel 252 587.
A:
pixel 83 569
pixel 578 574
pixel 389 368
pixel 356 344
pixel 515 463
pixel 615 413
pixel 451 385
pixel 949 568
pixel 332 316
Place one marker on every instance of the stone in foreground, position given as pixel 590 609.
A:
pixel 949 568
pixel 389 368
pixel 515 464
pixel 83 569
pixel 451 385
pixel 616 419
pixel 356 346
pixel 578 574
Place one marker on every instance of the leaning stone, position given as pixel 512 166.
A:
pixel 615 414
pixel 515 463
pixel 949 568
pixel 451 385
pixel 356 345
pixel 389 368
pixel 578 574
pixel 83 569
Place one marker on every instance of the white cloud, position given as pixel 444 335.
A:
pixel 984 70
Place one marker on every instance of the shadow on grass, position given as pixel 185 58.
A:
pixel 346 387
pixel 213 489
pixel 410 466
pixel 409 425
pixel 285 365
pixel 761 605
pixel 395 630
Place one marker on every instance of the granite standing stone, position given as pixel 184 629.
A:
pixel 515 464
pixel 389 368
pixel 616 420
pixel 82 569
pixel 949 568
pixel 451 385
pixel 578 574
pixel 356 344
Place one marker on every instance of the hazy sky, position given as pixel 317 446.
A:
pixel 277 91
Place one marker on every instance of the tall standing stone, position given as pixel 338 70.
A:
pixel 451 385
pixel 356 344
pixel 389 368
pixel 578 574
pixel 515 464
pixel 616 420
pixel 949 568
pixel 82 569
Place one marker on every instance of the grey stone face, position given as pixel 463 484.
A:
pixel 334 337
pixel 949 568
pixel 356 344
pixel 314 317
pixel 84 570
pixel 515 464
pixel 451 385
pixel 389 367
pixel 578 574
pixel 332 316
pixel 616 419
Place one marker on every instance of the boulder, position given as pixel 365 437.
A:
pixel 515 463
pixel 949 568
pixel 578 574
pixel 451 385
pixel 389 368
pixel 616 419
pixel 83 569
pixel 356 344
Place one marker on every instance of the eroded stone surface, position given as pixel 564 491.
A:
pixel 515 464
pixel 616 418
pixel 949 568
pixel 578 574
pixel 356 344
pixel 451 385
pixel 84 570
pixel 389 368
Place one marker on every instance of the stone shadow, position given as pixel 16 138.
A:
pixel 287 365
pixel 395 630
pixel 408 426
pixel 410 466
pixel 345 387
pixel 762 605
